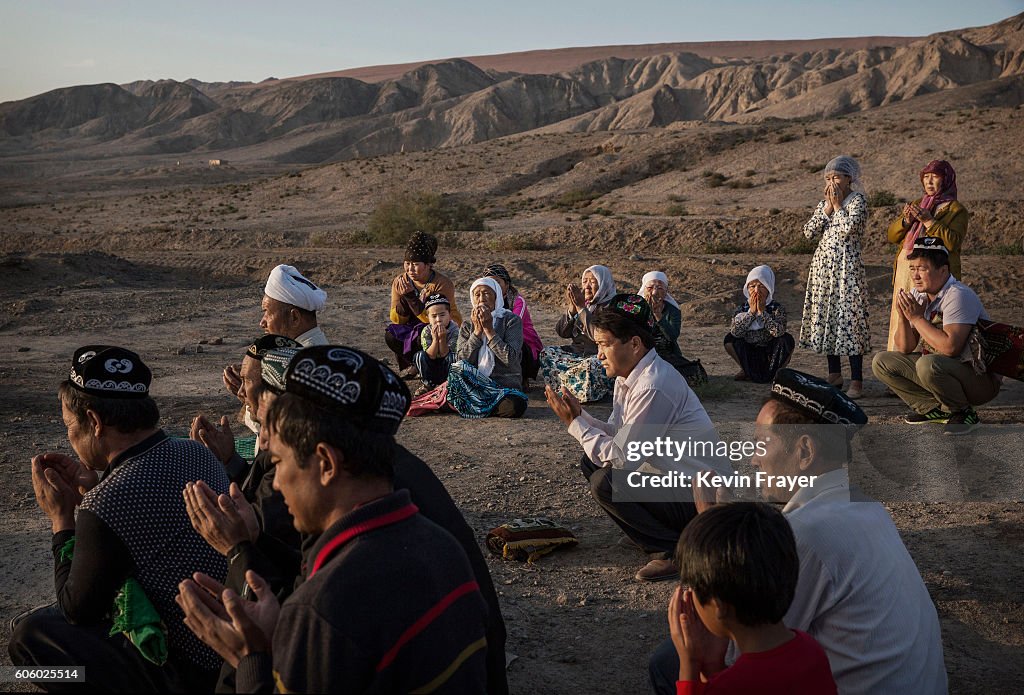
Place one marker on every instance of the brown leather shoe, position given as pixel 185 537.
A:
pixel 657 571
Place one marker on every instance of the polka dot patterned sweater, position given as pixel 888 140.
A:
pixel 140 500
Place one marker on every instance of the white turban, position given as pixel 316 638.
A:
pixel 649 278
pixel 287 285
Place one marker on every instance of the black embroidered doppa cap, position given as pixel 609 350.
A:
pixel 109 372
pixel 351 383
pixel 816 397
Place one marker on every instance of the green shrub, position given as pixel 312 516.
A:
pixel 881 199
pixel 1008 249
pixel 396 218
pixel 715 179
pixel 802 246
pixel 576 199
pixel 722 248
pixel 677 211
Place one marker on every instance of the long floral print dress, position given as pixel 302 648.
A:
pixel 835 320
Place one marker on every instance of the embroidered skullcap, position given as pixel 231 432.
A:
pixel 633 307
pixel 273 366
pixel 259 347
pixel 422 248
pixel 109 372
pixel 288 285
pixel 817 398
pixel 350 383
pixel 844 164
pixel 927 243
pixel 436 298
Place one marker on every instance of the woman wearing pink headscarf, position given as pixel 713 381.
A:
pixel 936 214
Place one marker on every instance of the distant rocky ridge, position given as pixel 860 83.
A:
pixel 455 102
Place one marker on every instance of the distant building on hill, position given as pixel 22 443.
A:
pixel 218 162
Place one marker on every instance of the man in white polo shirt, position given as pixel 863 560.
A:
pixel 651 400
pixel 933 369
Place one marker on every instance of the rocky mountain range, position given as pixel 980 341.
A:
pixel 456 102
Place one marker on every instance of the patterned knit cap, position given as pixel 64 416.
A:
pixel 422 248
pixel 817 398
pixel 633 307
pixel 434 299
pixel 109 372
pixel 259 347
pixel 274 364
pixel 350 383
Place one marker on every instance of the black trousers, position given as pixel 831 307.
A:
pixel 112 663
pixel 654 526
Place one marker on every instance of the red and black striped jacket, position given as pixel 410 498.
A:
pixel 390 605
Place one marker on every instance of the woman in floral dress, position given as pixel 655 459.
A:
pixel 835 319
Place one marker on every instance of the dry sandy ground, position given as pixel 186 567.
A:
pixel 577 620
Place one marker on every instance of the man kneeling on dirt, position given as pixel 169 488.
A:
pixel 131 542
pixel 651 400
pixel 389 602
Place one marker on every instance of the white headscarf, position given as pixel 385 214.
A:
pixel 766 276
pixel 605 285
pixel 649 278
pixel 485 360
pixel 287 285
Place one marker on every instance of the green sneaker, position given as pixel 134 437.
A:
pixel 962 422
pixel 936 415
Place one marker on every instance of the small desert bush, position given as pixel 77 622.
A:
pixel 881 199
pixel 722 247
pixel 746 183
pixel 800 247
pixel 787 137
pixel 395 219
pixel 515 243
pixel 714 179
pixel 576 199
pixel 677 210
pixel 1008 249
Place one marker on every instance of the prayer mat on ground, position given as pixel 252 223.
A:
pixel 528 539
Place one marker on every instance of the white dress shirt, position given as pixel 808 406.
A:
pixel 860 594
pixel 314 336
pixel 653 401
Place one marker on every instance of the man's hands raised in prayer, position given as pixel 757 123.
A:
pixel 232 378
pixel 231 626
pixel 59 483
pixel 220 441
pixel 565 405
pixel 222 521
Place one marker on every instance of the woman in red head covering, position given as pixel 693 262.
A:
pixel 936 214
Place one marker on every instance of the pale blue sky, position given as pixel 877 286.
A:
pixel 45 45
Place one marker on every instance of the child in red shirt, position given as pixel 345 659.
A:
pixel 738 572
